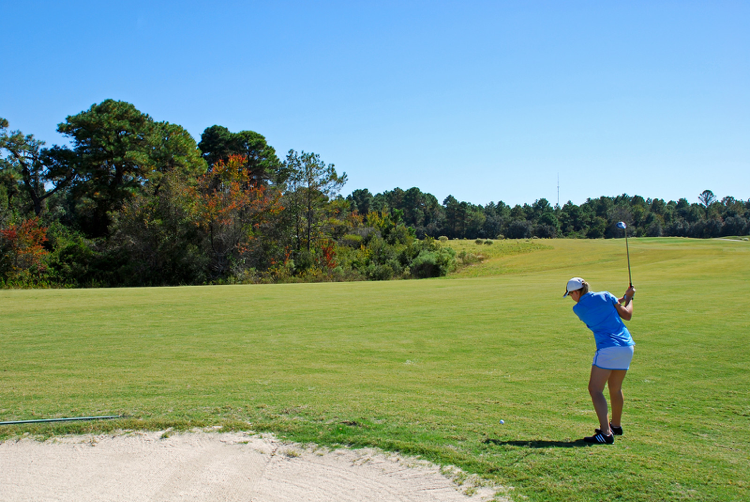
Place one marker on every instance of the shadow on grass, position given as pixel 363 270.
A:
pixel 538 443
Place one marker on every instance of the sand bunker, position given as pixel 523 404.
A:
pixel 207 466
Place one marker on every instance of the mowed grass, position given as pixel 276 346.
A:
pixel 424 367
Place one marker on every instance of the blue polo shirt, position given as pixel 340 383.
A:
pixel 597 311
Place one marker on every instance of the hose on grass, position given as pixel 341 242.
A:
pixel 70 419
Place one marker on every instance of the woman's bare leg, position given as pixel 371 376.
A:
pixel 597 381
pixel 616 396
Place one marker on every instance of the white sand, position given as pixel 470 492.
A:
pixel 208 466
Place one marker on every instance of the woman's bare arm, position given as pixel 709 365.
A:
pixel 625 305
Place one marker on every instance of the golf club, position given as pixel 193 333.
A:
pixel 624 228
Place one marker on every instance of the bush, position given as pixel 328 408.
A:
pixel 426 265
pixel 379 272
pixel 500 237
pixel 342 274
pixel 468 258
pixel 479 241
pixel 443 238
pixel 303 261
pixel 435 263
pixel 488 242
pixel 400 235
pixel 75 259
pixel 352 240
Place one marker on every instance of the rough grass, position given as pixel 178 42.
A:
pixel 424 367
pixel 477 259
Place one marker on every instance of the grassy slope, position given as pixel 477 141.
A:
pixel 426 367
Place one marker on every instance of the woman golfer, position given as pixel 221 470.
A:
pixel 603 314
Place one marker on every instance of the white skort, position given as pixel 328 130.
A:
pixel 614 358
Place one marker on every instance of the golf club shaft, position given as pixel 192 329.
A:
pixel 627 249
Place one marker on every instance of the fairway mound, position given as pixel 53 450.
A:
pixel 209 466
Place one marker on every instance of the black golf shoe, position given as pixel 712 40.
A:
pixel 600 438
pixel 617 431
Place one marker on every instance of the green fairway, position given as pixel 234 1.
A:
pixel 426 367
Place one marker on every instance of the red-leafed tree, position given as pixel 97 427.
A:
pixel 22 253
pixel 328 250
pixel 232 208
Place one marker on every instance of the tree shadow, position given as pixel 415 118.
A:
pixel 537 443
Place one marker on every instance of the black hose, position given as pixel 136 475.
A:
pixel 73 419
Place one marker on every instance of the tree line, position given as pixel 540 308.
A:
pixel 135 202
pixel 594 219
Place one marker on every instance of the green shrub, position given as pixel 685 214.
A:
pixel 379 272
pixel 303 261
pixel 425 265
pixel 352 240
pixel 443 238
pixel 488 242
pixel 478 241
pixel 435 263
pixel 400 235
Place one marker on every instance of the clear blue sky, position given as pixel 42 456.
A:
pixel 485 101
